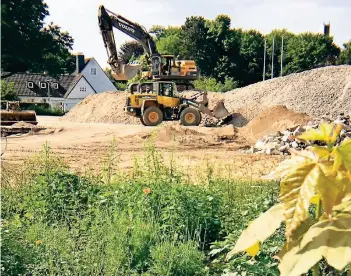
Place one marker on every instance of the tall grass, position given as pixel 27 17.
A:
pixel 149 221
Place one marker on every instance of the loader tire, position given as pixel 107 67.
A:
pixel 190 117
pixel 152 116
pixel 142 121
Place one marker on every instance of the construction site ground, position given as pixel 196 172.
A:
pixel 86 145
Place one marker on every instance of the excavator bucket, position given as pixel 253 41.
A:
pixel 219 111
pixel 127 71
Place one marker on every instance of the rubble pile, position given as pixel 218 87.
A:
pixel 280 142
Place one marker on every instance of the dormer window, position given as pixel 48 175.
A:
pixel 43 85
pixel 30 84
pixel 92 71
pixel 55 85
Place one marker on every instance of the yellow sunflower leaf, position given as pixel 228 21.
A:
pixel 315 199
pixel 328 239
pixel 254 249
pixel 259 230
pixel 344 151
pixel 324 133
pixel 296 192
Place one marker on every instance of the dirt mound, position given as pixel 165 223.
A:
pixel 23 124
pixel 271 120
pixel 316 92
pixel 105 107
pixel 189 136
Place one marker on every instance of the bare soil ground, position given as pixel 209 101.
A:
pixel 85 145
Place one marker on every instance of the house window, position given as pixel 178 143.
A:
pixel 55 85
pixel 83 89
pixel 92 71
pixel 30 84
pixel 43 85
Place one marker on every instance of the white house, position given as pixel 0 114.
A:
pixel 64 91
pixel 90 79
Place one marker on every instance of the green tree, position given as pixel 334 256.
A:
pixel 195 46
pixel 8 91
pixel 277 34
pixel 130 50
pixel 170 42
pixel 307 51
pixel 251 57
pixel 345 55
pixel 27 45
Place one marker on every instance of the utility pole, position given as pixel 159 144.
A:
pixel 281 57
pixel 272 73
pixel 264 59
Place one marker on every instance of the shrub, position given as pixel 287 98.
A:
pixel 211 84
pixel 8 91
pixel 41 110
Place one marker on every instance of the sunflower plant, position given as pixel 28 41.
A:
pixel 319 176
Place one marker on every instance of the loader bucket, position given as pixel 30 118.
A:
pixel 127 71
pixel 12 117
pixel 219 111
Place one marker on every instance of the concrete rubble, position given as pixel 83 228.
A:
pixel 280 143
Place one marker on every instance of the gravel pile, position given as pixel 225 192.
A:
pixel 280 142
pixel 316 92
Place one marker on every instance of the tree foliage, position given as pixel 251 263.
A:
pixel 8 91
pixel 27 44
pixel 345 55
pixel 129 51
pixel 319 176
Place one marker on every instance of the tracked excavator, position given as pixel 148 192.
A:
pixel 161 67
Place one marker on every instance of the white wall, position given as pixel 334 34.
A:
pixel 69 103
pixel 76 93
pixel 100 82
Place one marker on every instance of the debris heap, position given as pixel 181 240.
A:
pixel 281 142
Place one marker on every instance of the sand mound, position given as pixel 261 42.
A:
pixel 106 107
pixel 23 124
pixel 272 119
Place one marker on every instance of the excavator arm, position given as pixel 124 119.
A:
pixel 109 20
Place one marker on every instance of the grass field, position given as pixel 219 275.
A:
pixel 152 220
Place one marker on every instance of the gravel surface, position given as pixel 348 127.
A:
pixel 316 92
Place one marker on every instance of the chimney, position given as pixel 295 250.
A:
pixel 80 63
pixel 326 29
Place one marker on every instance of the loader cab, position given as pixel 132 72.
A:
pixel 166 89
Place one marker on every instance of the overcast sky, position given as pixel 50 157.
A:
pixel 79 17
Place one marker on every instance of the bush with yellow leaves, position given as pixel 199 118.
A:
pixel 321 176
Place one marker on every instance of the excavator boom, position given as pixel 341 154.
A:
pixel 109 20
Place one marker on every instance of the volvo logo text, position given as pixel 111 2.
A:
pixel 126 27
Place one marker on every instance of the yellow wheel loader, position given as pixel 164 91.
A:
pixel 160 101
pixel 11 114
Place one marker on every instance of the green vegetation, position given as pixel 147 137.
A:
pixel 210 84
pixel 150 221
pixel 28 45
pixel 8 91
pixel 42 109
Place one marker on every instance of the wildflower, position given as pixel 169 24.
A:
pixel 38 242
pixel 147 191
